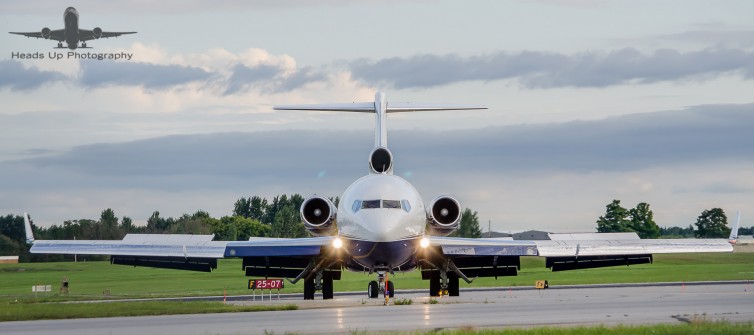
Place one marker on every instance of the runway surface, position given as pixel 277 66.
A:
pixel 477 309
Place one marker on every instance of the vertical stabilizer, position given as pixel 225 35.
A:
pixel 27 229
pixel 380 123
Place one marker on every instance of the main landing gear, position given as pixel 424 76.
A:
pixel 60 45
pixel 321 281
pixel 378 286
pixel 444 279
pixel 444 283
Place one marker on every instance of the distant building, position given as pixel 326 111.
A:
pixel 494 234
pixel 531 235
pixel 745 239
pixel 8 259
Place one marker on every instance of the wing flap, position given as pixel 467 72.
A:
pixel 630 247
pixel 261 247
pixel 483 246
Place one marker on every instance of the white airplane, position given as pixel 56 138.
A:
pixel 381 226
pixel 71 34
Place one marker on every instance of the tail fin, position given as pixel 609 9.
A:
pixel 27 228
pixel 733 238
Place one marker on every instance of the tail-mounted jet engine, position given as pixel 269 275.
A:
pixel 444 215
pixel 97 32
pixel 46 33
pixel 318 214
pixel 381 160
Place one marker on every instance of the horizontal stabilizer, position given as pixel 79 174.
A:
pixel 369 107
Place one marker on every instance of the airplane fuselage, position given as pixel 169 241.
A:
pixel 71 21
pixel 380 218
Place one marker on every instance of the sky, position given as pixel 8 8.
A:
pixel 589 101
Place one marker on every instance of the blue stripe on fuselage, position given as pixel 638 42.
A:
pixel 370 255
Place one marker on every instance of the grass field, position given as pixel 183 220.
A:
pixel 42 311
pixel 92 280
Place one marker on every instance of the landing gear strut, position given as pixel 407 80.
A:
pixel 323 281
pixel 378 286
pixel 60 45
pixel 445 280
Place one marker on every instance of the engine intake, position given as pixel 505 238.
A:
pixel 97 32
pixel 381 160
pixel 444 215
pixel 46 33
pixel 319 216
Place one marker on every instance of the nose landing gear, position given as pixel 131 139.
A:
pixel 378 286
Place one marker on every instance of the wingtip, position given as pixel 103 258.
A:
pixel 27 229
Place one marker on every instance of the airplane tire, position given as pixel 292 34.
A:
pixel 434 283
pixel 391 288
pixel 327 286
pixel 309 289
pixel 373 289
pixel 454 289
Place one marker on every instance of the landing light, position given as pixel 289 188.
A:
pixel 337 243
pixel 424 242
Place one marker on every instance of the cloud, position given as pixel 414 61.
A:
pixel 270 78
pixel 95 74
pixel 263 73
pixel 534 69
pixel 18 78
pixel 632 142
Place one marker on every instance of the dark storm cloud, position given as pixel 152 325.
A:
pixel 13 75
pixel 95 74
pixel 695 136
pixel 548 70
pixel 270 78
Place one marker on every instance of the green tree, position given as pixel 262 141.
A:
pixel 614 220
pixel 127 225
pixel 109 225
pixel 287 223
pixel 712 223
pixel 242 207
pixel 642 221
pixel 224 229
pixel 469 226
pixel 248 227
pixel 196 223
pixel 258 208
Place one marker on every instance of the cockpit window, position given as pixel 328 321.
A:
pixel 370 204
pixel 391 204
pixel 406 206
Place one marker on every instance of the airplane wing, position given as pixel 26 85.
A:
pixel 290 257
pixel 486 257
pixel 86 35
pixel 191 252
pixel 57 35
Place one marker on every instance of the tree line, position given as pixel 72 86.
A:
pixel 711 223
pixel 252 217
pixel 259 217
